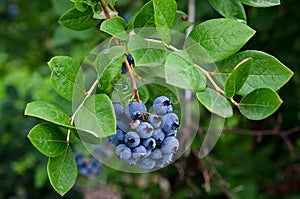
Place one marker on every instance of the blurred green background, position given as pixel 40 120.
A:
pixel 244 164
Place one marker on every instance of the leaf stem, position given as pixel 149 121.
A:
pixel 206 73
pixel 87 95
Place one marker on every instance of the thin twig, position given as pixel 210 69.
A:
pixel 135 92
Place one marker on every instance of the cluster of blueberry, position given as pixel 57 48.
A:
pixel 88 166
pixel 145 139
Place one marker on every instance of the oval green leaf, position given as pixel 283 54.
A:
pixel 261 3
pixel 116 27
pixel 259 104
pixel 48 111
pixel 145 17
pixel 66 77
pixel 96 116
pixel 164 16
pixel 146 53
pixel 48 139
pixel 108 65
pixel 215 102
pixel 217 39
pixel 62 171
pixel 232 9
pixel 76 20
pixel 238 77
pixel 180 71
pixel 266 71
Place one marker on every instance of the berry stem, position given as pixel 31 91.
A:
pixel 106 11
pixel 135 92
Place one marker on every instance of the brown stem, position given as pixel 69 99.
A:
pixel 135 92
pixel 106 11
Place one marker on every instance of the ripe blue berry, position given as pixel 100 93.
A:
pixel 119 109
pixel 162 105
pixel 146 163
pixel 131 161
pixel 130 59
pixel 172 133
pixel 167 158
pixel 154 120
pixel 159 136
pixel 139 152
pixel 123 152
pixel 169 145
pixel 149 143
pixel 117 138
pixel 132 139
pixel 170 122
pixel 156 154
pixel 135 110
pixel 145 130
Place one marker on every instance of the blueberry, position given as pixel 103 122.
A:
pixel 145 130
pixel 119 109
pixel 169 145
pixel 172 133
pixel 135 110
pixel 154 120
pixel 146 163
pixel 123 152
pixel 132 139
pixel 117 138
pixel 159 163
pixel 123 69
pixel 149 143
pixel 170 122
pixel 84 171
pixel 130 59
pixel 131 161
pixel 123 124
pixel 167 158
pixel 156 154
pixel 159 136
pixel 139 152
pixel 162 105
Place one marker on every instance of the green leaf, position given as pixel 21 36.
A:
pixel 238 77
pixel 62 171
pixel 217 39
pixel 81 5
pixel 164 16
pixel 115 26
pixel 48 111
pixel 67 77
pixel 232 9
pixel 111 2
pixel 215 102
pixel 49 140
pixel 97 116
pixel 145 17
pixel 181 23
pixel 108 65
pixel 261 3
pixel 76 20
pixel 157 90
pixel 266 71
pixel 259 104
pixel 180 71
pixel 146 53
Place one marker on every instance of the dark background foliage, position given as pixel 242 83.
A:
pixel 251 160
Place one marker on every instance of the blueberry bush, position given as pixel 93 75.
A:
pixel 210 61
